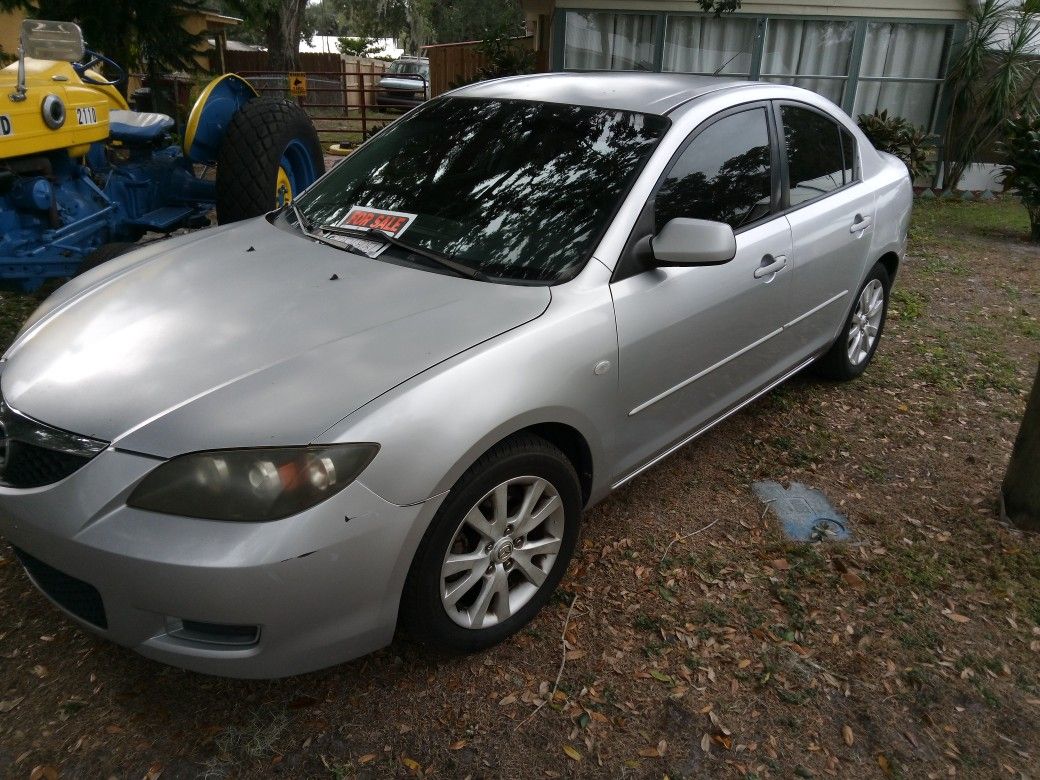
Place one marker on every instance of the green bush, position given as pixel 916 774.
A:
pixel 1021 147
pixel 897 136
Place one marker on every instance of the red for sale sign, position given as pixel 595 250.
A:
pixel 393 223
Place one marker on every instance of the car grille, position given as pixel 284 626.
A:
pixel 28 466
pixel 78 597
pixel 34 454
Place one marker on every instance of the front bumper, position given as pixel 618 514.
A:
pixel 320 587
pixel 400 97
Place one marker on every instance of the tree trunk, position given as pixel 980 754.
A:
pixel 1034 221
pixel 283 35
pixel 1020 493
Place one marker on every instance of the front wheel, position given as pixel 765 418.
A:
pixel 850 355
pixel 496 550
pixel 269 154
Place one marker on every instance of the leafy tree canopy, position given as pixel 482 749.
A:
pixel 131 32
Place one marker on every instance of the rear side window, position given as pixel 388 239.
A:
pixel 817 148
pixel 724 175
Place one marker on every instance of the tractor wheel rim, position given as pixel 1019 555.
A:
pixel 295 171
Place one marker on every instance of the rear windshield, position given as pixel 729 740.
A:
pixel 518 190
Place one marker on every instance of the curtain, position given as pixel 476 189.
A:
pixel 914 101
pixel 807 48
pixel 902 51
pixel 609 41
pixel 795 48
pixel 701 44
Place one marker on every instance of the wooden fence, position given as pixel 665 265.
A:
pixel 457 63
pixel 333 80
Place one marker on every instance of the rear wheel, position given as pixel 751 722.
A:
pixel 496 549
pixel 269 154
pixel 850 355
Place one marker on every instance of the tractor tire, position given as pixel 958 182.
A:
pixel 270 142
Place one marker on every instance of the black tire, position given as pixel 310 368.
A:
pixel 423 616
pixel 248 161
pixel 103 254
pixel 835 363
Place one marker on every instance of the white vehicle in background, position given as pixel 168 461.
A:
pixel 405 84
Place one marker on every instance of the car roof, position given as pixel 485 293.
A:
pixel 650 93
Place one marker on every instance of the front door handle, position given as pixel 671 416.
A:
pixel 770 265
pixel 859 224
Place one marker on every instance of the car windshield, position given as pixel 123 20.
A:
pixel 516 190
pixel 409 66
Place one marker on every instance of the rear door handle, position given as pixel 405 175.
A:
pixel 770 265
pixel 859 224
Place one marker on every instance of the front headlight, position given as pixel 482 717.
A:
pixel 251 485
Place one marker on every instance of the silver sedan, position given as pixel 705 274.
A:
pixel 268 447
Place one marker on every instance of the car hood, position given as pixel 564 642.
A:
pixel 402 82
pixel 247 335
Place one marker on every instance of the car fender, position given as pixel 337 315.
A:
pixel 559 368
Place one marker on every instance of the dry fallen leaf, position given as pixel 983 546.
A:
pixel 649 752
pixel 411 763
pixel 367 758
pixel 846 734
pixel 780 564
pixel 457 745
pixel 510 699
pixel 883 763
pixel 9 704
pixel 706 743
pixel 43 772
pixel 154 772
pixel 572 753
pixel 854 580
pixel 957 618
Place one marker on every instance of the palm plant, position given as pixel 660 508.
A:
pixel 1021 147
pixel 993 77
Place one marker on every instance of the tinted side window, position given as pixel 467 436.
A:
pixel 815 161
pixel 724 174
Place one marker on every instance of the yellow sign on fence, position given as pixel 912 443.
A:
pixel 298 84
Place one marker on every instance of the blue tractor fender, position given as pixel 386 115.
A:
pixel 211 115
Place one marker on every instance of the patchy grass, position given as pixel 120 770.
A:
pixel 738 655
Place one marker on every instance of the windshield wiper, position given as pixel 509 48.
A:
pixel 445 262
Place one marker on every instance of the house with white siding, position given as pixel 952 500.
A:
pixel 882 54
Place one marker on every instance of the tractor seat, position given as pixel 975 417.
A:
pixel 137 127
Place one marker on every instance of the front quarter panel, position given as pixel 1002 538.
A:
pixel 433 427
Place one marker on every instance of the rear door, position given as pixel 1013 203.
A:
pixel 831 213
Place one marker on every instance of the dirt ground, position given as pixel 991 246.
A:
pixel 699 643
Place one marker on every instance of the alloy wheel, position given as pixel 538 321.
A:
pixel 866 322
pixel 502 552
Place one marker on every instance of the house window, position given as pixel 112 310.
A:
pixel 609 41
pixel 902 70
pixel 809 54
pixel 709 46
pixel 861 64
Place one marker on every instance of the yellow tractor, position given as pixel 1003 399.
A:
pixel 82 176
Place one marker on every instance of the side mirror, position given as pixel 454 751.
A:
pixel 694 242
pixel 43 40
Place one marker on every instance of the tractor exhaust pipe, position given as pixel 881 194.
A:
pixel 19 91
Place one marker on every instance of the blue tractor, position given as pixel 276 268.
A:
pixel 82 177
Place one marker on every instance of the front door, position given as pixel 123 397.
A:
pixel 694 341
